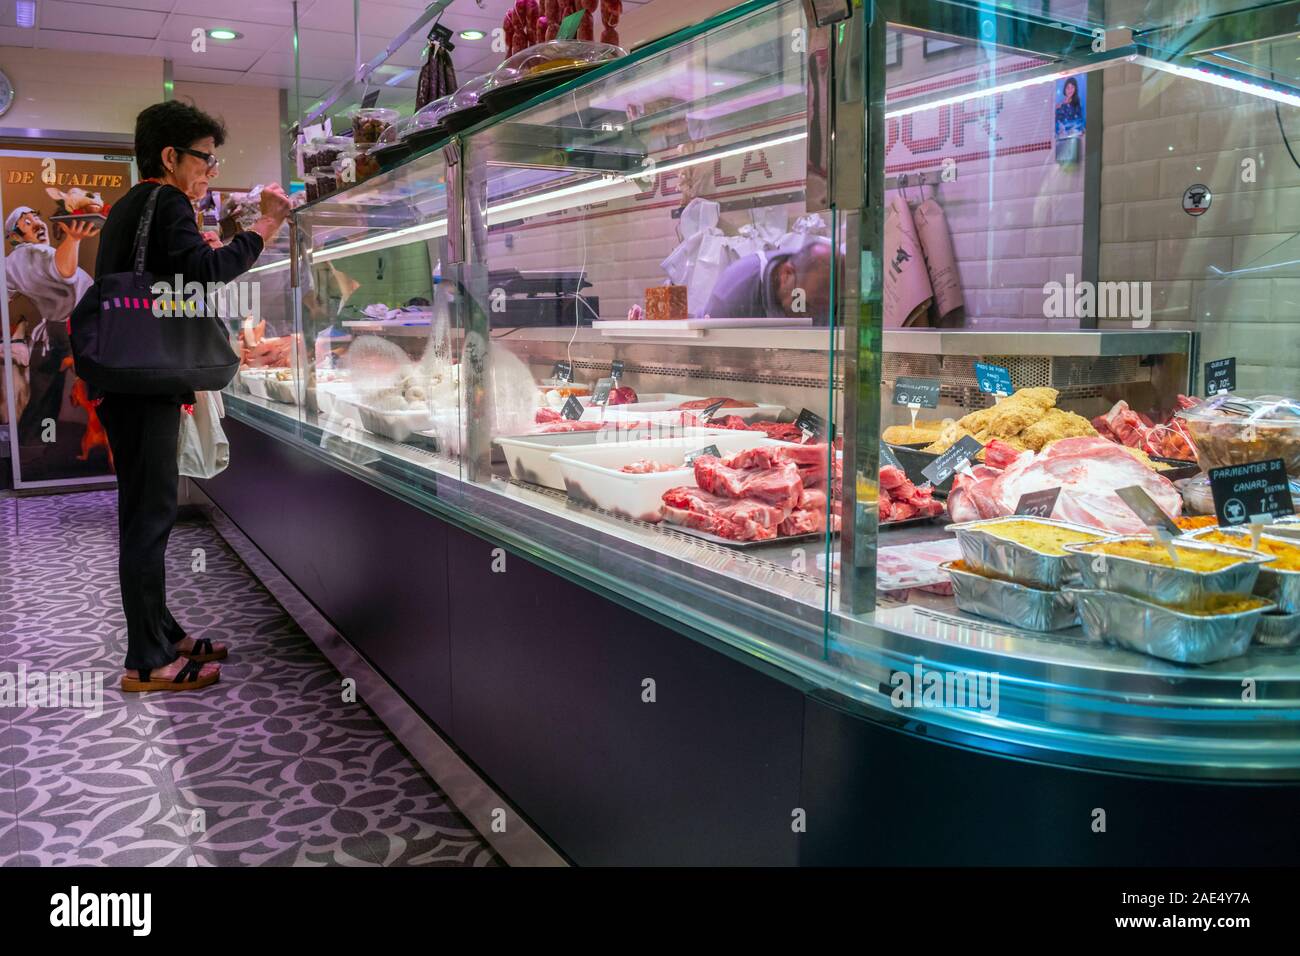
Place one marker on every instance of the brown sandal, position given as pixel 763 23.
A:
pixel 187 678
pixel 202 651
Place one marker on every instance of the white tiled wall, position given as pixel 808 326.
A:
pixel 1165 133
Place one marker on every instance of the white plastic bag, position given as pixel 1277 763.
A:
pixel 203 451
pixel 703 255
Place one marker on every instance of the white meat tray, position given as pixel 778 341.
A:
pixel 592 477
pixel 661 407
pixel 529 456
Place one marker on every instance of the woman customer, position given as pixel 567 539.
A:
pixel 175 147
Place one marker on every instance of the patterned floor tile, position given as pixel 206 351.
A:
pixel 268 767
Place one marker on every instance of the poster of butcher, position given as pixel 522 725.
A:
pixel 53 206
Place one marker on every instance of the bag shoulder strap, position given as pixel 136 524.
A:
pixel 142 231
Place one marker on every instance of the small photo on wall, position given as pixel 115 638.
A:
pixel 1071 106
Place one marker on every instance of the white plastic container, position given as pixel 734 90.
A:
pixel 281 390
pixel 592 477
pixel 394 425
pixel 529 456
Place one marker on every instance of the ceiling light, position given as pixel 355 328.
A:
pixel 224 33
pixel 26 13
pixel 471 34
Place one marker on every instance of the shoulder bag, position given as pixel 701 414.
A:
pixel 119 344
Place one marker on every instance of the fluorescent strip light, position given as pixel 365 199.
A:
pixel 1227 82
pixel 425 230
pixel 984 92
pixel 399 77
pixel 26 13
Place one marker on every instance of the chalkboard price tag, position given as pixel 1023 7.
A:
pixel 706 450
pixel 708 411
pixel 370 99
pixel 916 392
pixel 1145 507
pixel 951 461
pixel 572 409
pixel 811 424
pixel 600 395
pixel 993 379
pixel 1038 504
pixel 888 458
pixel 1256 489
pixel 562 372
pixel 1220 376
pixel 616 370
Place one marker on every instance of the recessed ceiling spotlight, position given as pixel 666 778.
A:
pixel 471 34
pixel 224 33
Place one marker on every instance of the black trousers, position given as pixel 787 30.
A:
pixel 45 378
pixel 142 431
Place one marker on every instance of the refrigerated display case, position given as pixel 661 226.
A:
pixel 655 329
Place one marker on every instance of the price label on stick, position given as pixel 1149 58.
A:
pixel 811 424
pixel 1220 376
pixel 888 458
pixel 993 379
pixel 1145 507
pixel 1038 504
pixel 951 461
pixel 572 409
pixel 616 369
pixel 562 372
pixel 1253 492
pixel 706 450
pixel 370 99
pixel 708 411
pixel 916 392
pixel 600 395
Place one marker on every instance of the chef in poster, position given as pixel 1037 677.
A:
pixel 52 278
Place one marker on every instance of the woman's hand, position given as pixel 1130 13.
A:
pixel 275 209
pixel 213 240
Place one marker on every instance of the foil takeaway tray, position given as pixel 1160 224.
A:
pixel 1280 586
pixel 1003 558
pixel 1163 632
pixel 1278 630
pixel 1011 603
pixel 1164 584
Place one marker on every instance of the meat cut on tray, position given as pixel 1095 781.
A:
pixel 756 494
pixel 1087 470
pixel 901 500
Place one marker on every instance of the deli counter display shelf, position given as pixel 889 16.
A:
pixel 948 424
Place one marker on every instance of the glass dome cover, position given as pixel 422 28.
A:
pixel 542 58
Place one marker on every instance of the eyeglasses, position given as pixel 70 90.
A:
pixel 209 158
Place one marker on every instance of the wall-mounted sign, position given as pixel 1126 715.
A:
pixel 1197 199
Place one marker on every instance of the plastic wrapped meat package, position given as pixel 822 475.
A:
pixel 904 567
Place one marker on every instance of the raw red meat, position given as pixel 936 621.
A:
pixel 998 454
pixel 891 477
pixel 646 466
pixel 1088 471
pixel 699 403
pixel 566 425
pixel 545 416
pixel 1167 440
pixel 779 485
pixel 743 520
pixel 803 521
pixel 623 395
pixel 813 499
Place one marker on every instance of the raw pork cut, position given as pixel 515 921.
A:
pixel 1088 472
pixel 739 520
pixel 647 466
pixel 779 485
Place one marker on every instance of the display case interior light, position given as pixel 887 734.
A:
pixel 25 13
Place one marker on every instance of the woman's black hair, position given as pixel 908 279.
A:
pixel 171 124
pixel 1070 97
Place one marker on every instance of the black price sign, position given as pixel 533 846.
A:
pixel 993 379
pixel 1220 376
pixel 601 393
pixel 616 369
pixel 706 450
pixel 370 99
pixel 1038 504
pixel 1145 507
pixel 888 458
pixel 920 392
pixel 1257 489
pixel 811 424
pixel 562 372
pixel 572 409
pixel 708 411
pixel 943 467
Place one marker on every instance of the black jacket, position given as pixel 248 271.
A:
pixel 176 247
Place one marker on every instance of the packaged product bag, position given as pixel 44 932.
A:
pixel 907 292
pixel 940 260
